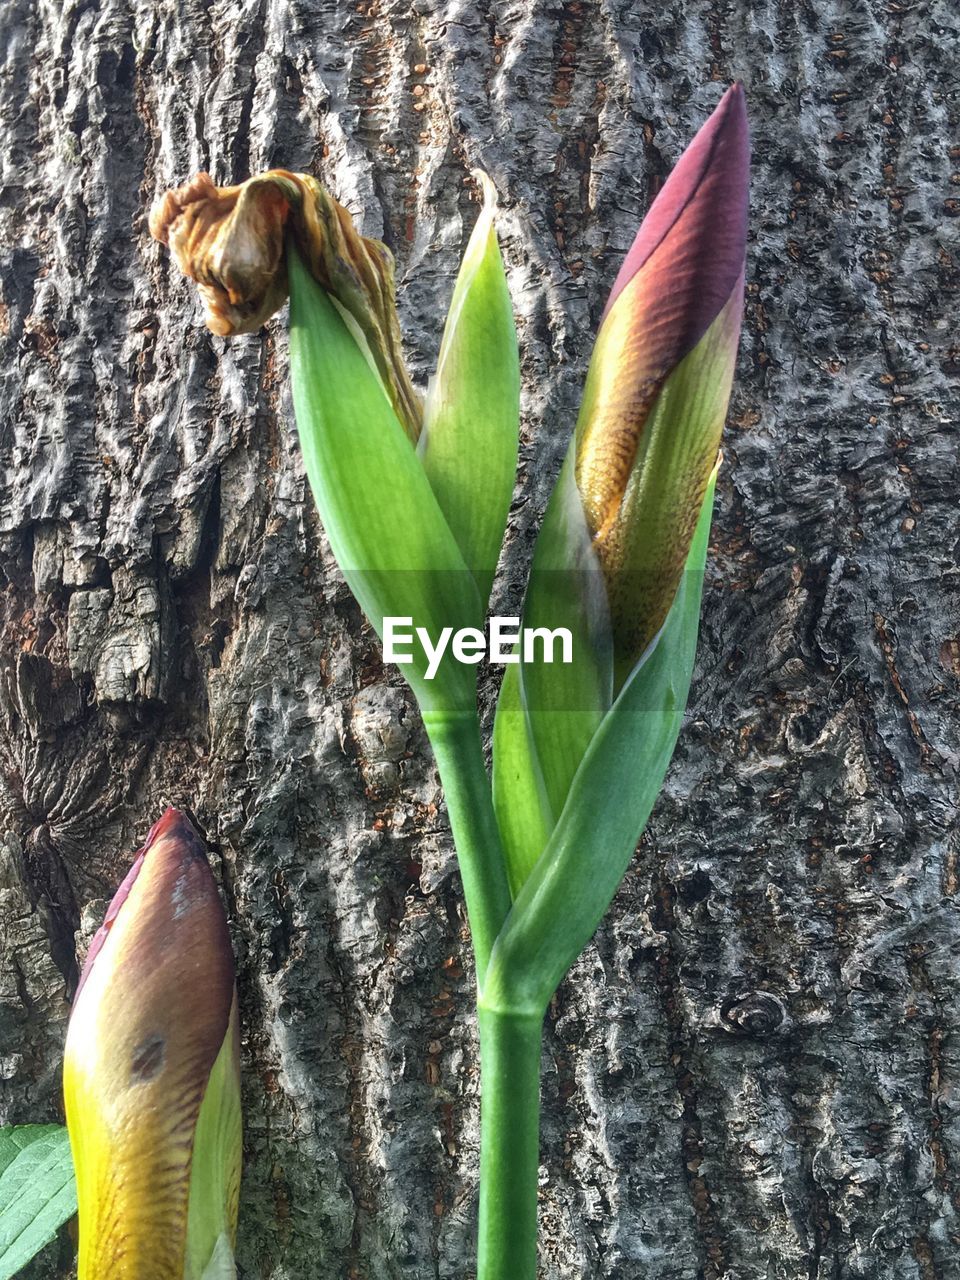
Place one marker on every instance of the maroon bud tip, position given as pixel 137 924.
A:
pixel 698 221
pixel 173 825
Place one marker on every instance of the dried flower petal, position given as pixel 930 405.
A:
pixel 230 240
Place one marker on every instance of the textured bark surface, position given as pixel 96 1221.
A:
pixel 754 1072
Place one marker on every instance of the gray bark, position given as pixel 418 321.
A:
pixel 754 1071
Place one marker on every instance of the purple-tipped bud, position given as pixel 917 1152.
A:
pixel 151 1076
pixel 659 380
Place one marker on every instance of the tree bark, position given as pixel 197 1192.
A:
pixel 754 1071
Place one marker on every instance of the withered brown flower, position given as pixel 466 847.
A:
pixel 232 240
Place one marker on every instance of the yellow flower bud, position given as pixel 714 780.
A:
pixel 151 1074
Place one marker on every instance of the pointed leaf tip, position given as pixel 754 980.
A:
pixel 472 416
pixel 488 190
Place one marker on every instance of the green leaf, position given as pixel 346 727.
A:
pixel 37 1191
pixel 471 418
pixel 564 897
pixel 222 1265
pixel 215 1166
pixel 524 817
pixel 547 716
pixel 384 524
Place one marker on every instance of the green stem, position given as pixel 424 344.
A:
pixel 509 1144
pixel 455 738
pixel 509 1040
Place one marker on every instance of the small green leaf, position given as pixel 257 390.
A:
pixel 222 1265
pixel 564 897
pixel 471 417
pixel 215 1166
pixel 524 817
pixel 37 1191
pixel 565 701
pixel 551 711
pixel 384 524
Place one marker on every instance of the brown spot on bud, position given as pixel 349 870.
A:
pixel 148 1058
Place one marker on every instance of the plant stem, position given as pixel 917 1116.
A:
pixel 509 1144
pixel 509 1039
pixel 455 738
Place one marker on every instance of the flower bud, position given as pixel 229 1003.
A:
pixel 659 380
pixel 230 240
pixel 635 488
pixel 151 1074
